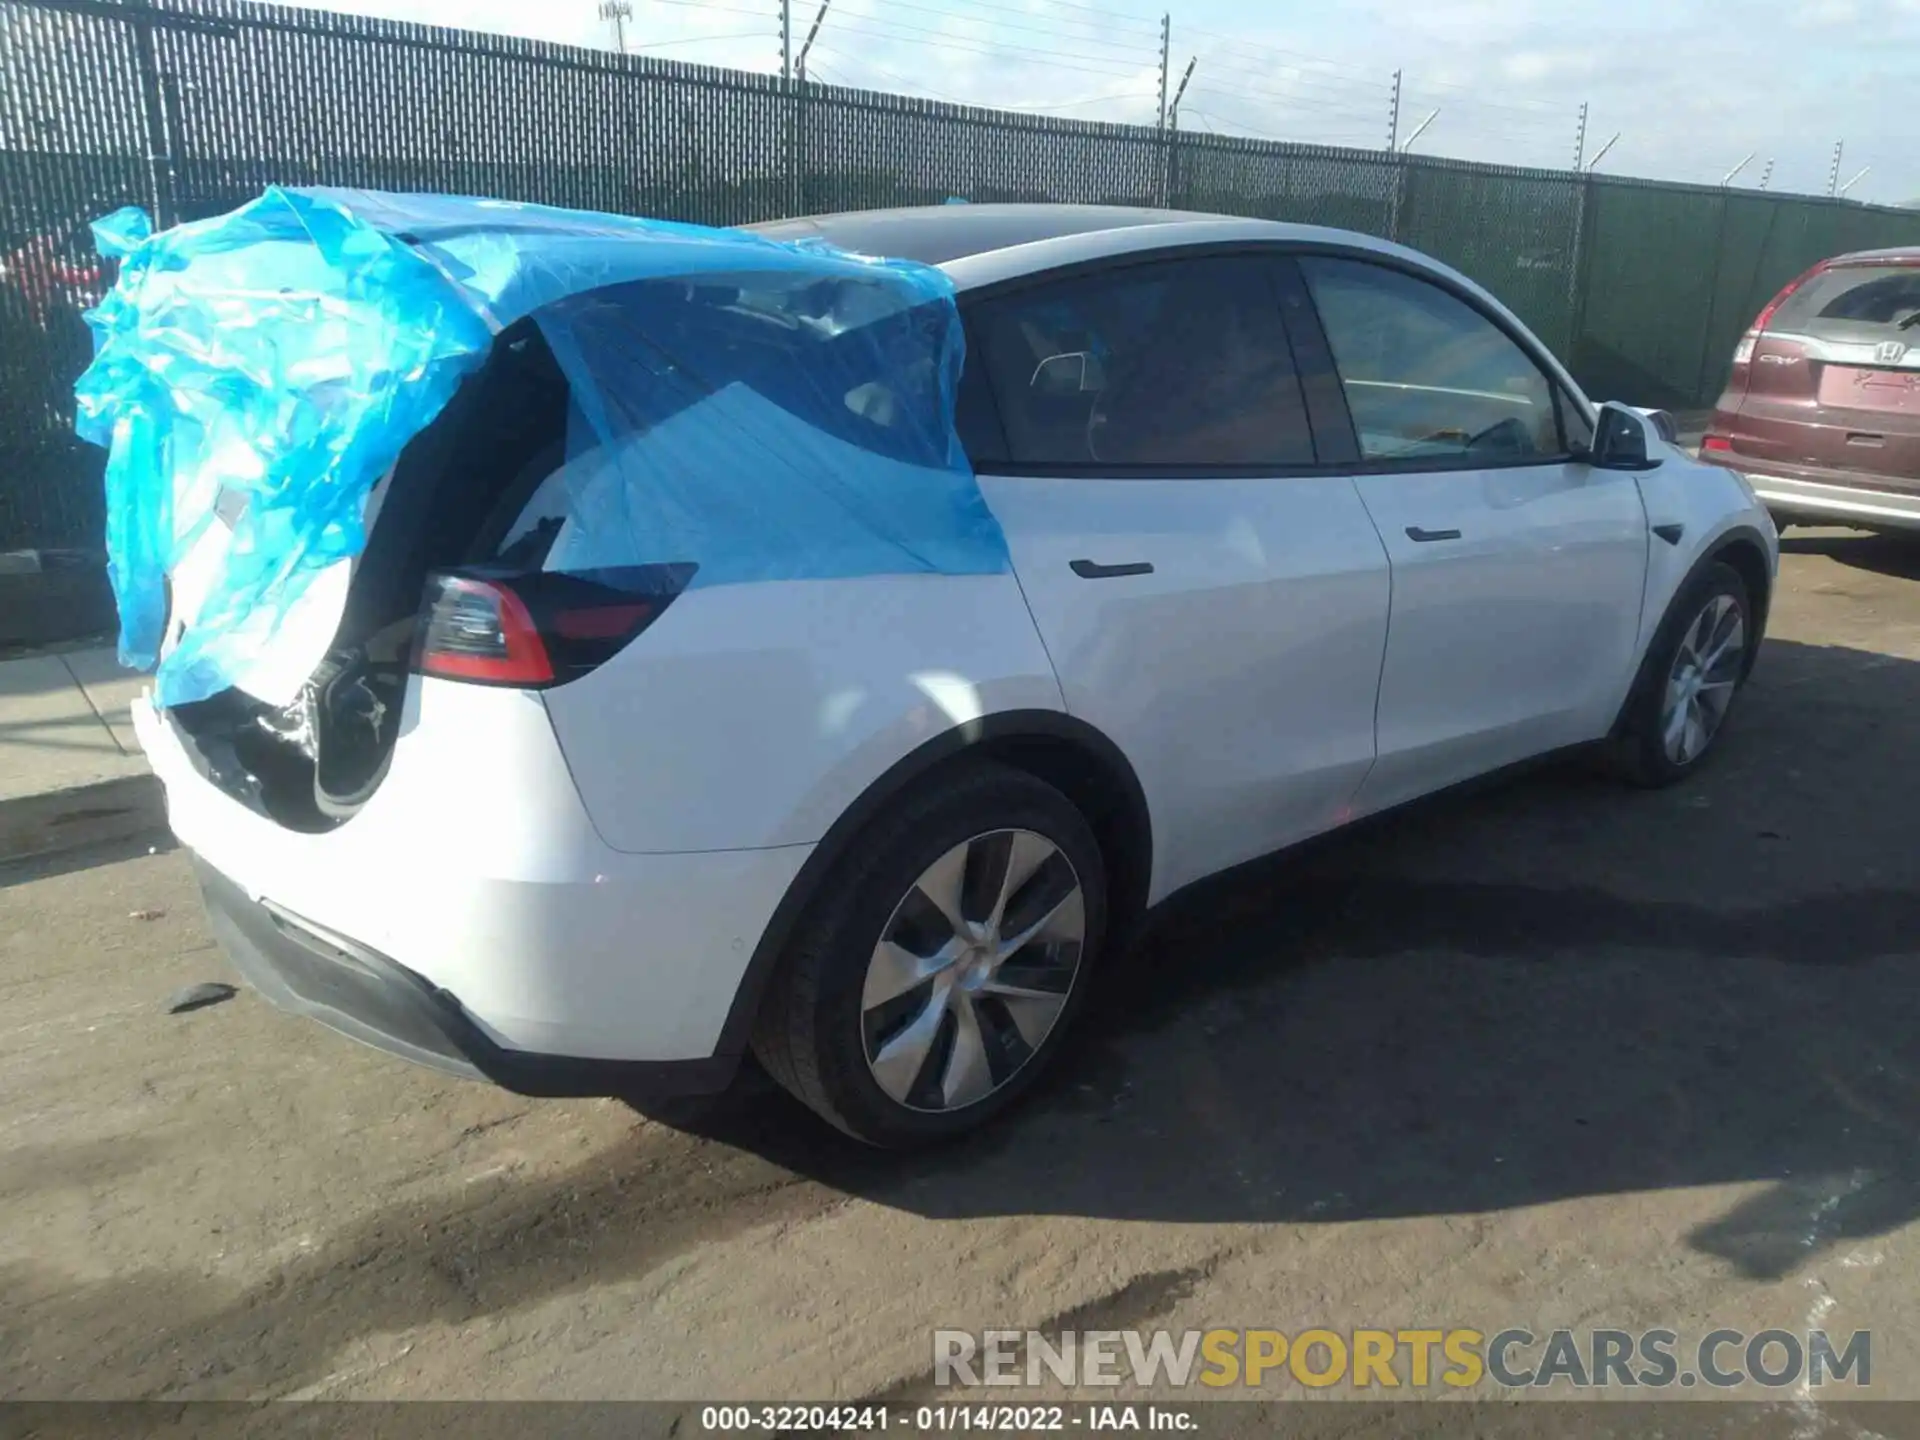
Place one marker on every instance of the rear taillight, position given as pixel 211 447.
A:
pixel 1786 290
pixel 1743 351
pixel 480 630
pixel 538 629
pixel 1716 445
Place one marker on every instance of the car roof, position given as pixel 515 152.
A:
pixel 938 234
pixel 1867 257
pixel 985 244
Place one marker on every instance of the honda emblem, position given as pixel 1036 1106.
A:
pixel 1889 352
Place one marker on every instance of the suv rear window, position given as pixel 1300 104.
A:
pixel 1855 302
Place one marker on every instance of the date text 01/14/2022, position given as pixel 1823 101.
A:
pixel 936 1419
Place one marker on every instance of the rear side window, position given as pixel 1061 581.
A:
pixel 1425 374
pixel 1855 302
pixel 1156 366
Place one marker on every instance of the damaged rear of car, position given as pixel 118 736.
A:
pixel 432 516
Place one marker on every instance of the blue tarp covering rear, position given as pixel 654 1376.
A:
pixel 762 409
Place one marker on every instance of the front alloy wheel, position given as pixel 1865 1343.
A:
pixel 1692 672
pixel 1706 669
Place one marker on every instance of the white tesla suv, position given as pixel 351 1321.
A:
pixel 1302 525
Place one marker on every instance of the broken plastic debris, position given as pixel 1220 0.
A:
pixel 198 997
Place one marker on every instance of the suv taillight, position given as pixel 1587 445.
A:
pixel 532 630
pixel 1743 352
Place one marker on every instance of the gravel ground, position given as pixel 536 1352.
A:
pixel 1556 1053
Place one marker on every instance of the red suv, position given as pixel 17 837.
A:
pixel 1822 411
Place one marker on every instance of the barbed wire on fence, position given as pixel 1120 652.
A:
pixel 189 107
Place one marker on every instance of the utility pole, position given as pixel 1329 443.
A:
pixel 801 64
pixel 1580 139
pixel 1833 170
pixel 619 12
pixel 1397 175
pixel 1856 180
pixel 1727 179
pixel 1766 175
pixel 1418 129
pixel 1166 43
pixel 1601 153
pixel 786 40
pixel 1173 132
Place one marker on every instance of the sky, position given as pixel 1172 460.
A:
pixel 1691 87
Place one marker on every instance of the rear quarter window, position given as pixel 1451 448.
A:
pixel 1167 365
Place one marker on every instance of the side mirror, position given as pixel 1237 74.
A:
pixel 1619 440
pixel 1664 425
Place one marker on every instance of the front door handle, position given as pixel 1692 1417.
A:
pixel 1414 532
pixel 1089 570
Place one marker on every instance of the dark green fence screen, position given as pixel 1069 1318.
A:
pixel 188 107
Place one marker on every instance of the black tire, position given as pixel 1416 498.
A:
pixel 808 1033
pixel 1637 751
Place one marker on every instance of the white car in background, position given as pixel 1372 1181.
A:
pixel 1303 526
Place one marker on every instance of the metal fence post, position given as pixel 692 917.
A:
pixel 154 107
pixel 1580 266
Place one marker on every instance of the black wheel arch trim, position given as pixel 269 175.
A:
pixel 1736 537
pixel 1126 887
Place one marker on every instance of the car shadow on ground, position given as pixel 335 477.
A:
pixel 1894 555
pixel 1554 989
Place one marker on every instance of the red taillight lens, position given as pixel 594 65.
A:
pixel 479 630
pixel 1760 321
pixel 1716 444
pixel 540 628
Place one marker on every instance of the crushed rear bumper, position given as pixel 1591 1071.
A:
pixel 306 970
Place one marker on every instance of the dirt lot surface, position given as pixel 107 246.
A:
pixel 1554 1054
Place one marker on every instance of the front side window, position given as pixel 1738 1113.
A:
pixel 1162 365
pixel 1426 375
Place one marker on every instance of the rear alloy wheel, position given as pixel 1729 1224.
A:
pixel 940 969
pixel 1693 671
pixel 973 970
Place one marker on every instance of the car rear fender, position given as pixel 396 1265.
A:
pixel 753 715
pixel 1068 753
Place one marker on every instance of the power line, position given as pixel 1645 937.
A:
pixel 1242 44
pixel 1046 31
pixel 710 9
pixel 1101 65
pixel 882 71
pixel 1319 137
pixel 696 39
pixel 1076 104
pixel 1291 75
pixel 1244 92
pixel 1106 15
pixel 1472 91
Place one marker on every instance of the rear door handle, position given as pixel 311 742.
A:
pixel 1089 570
pixel 1414 532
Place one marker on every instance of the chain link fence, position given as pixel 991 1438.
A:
pixel 189 107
